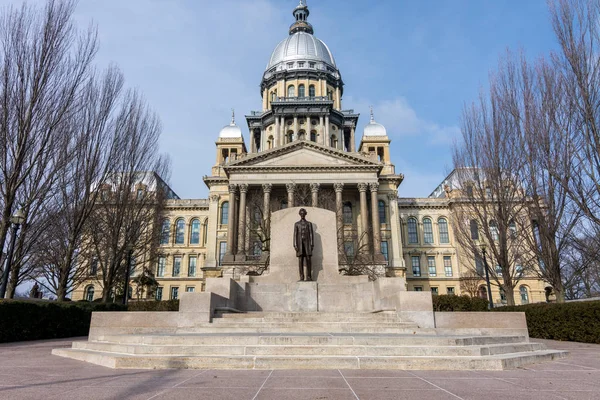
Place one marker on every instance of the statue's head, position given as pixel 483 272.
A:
pixel 302 213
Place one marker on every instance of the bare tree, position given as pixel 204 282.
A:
pixel 128 215
pixel 490 202
pixel 45 61
pixel 538 109
pixel 470 283
pixel 88 157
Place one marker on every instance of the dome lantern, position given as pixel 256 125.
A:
pixel 373 128
pixel 301 13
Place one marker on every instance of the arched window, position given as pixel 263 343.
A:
pixel 311 91
pixel 179 231
pixel 382 213
pixel 225 213
pixel 427 231
pixel 524 294
pixel 512 229
pixel 494 230
pixel 443 230
pixel 290 136
pixel 482 292
pixel 333 141
pixel 313 136
pixel 347 213
pixel 205 232
pixel 165 232
pixel 89 293
pixel 301 91
pixel 195 235
pixel 284 204
pixel 413 236
pixel 474 230
pixel 291 91
pixel 302 135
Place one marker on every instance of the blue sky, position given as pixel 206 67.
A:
pixel 417 62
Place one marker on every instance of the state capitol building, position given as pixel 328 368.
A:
pixel 304 149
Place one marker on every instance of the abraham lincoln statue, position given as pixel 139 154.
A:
pixel 303 244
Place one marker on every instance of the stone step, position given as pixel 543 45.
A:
pixel 309 350
pixel 493 362
pixel 327 315
pixel 353 320
pixel 308 325
pixel 310 317
pixel 304 340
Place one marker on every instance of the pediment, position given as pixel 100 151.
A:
pixel 304 154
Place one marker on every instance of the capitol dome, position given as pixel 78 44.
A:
pixel 301 46
pixel 373 128
pixel 231 130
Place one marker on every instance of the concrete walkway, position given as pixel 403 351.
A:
pixel 28 371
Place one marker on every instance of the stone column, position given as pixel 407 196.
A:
pixel 364 216
pixel 396 258
pixel 291 189
pixel 341 138
pixel 242 220
pixel 321 131
pixel 314 189
pixel 296 128
pixel 231 231
pixel 211 231
pixel 263 139
pixel 375 218
pixel 352 140
pixel 327 138
pixel 267 188
pixel 339 213
pixel 277 129
pixel 338 96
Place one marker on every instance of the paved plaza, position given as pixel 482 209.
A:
pixel 28 371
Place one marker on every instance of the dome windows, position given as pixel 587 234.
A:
pixel 291 91
pixel 301 91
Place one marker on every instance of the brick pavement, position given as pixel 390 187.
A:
pixel 28 371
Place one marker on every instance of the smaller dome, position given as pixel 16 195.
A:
pixel 231 130
pixel 373 128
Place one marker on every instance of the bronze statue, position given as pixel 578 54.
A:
pixel 304 243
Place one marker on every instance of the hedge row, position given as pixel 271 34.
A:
pixel 35 320
pixel 576 322
pixel 166 305
pixel 458 303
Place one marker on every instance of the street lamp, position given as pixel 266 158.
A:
pixel 127 274
pixel 17 220
pixel 483 248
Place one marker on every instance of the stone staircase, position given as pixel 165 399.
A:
pixel 280 340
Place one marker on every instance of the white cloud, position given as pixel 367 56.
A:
pixel 401 120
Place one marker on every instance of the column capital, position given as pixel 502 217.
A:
pixel 213 198
pixel 267 187
pixel 362 187
pixel 232 188
pixel 291 187
pixel 314 187
pixel 374 186
pixel 393 195
pixel 244 188
pixel 338 187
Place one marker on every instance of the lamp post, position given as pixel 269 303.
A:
pixel 127 275
pixel 17 220
pixel 483 248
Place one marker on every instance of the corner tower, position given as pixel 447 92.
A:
pixel 302 91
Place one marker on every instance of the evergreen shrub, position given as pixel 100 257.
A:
pixel 574 321
pixel 458 303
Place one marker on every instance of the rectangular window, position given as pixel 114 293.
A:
pixel 384 250
pixel 413 237
pixel 94 267
pixel 300 64
pixel 132 266
pixel 162 262
pixel 450 290
pixel 176 265
pixel 222 251
pixel 488 192
pixel 519 269
pixel 190 289
pixel 479 267
pixel 416 265
pixel 448 265
pixel 498 270
pixel 431 266
pixel 140 194
pixel 434 290
pixel 418 288
pixel 174 292
pixel 192 262
pixel 312 64
pixel 257 248
pixel 158 294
